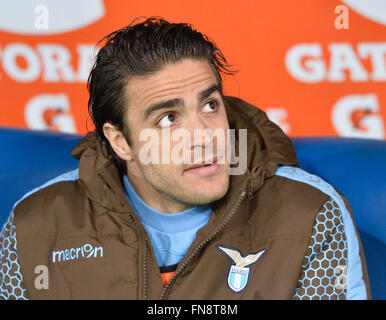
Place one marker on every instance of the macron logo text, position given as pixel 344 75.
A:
pixel 86 251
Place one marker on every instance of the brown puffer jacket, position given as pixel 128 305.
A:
pixel 279 233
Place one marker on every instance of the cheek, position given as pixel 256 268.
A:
pixel 158 166
pixel 163 177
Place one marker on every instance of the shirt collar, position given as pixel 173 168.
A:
pixel 165 222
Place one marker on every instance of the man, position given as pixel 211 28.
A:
pixel 139 221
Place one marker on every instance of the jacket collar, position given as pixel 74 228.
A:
pixel 267 146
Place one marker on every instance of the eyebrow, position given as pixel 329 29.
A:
pixel 178 102
pixel 207 92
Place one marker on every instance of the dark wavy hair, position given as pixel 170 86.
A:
pixel 141 48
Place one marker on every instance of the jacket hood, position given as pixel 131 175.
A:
pixel 268 147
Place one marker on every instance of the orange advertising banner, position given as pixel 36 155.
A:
pixel 316 67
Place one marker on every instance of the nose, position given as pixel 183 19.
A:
pixel 201 135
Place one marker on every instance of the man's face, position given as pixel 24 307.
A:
pixel 182 96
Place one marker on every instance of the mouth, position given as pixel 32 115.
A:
pixel 203 169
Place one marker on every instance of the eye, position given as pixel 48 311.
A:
pixel 210 106
pixel 167 120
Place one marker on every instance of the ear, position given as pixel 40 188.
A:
pixel 117 141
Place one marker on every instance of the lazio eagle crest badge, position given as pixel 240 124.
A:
pixel 238 273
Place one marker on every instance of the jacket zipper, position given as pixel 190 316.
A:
pixel 145 267
pixel 145 271
pixel 181 267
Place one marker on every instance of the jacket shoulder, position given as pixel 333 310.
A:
pixel 306 194
pixel 291 200
pixel 313 181
pixel 38 211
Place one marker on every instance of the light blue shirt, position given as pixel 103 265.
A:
pixel 170 234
